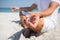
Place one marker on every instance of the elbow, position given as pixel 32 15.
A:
pixel 54 4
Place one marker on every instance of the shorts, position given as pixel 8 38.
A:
pixel 48 25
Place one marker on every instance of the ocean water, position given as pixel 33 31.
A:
pixel 9 10
pixel 5 10
pixel 5 5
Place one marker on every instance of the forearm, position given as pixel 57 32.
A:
pixel 33 6
pixel 49 10
pixel 25 8
pixel 33 25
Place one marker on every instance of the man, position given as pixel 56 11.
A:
pixel 47 12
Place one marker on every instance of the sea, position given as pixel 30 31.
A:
pixel 9 10
pixel 19 3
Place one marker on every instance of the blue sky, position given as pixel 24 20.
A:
pixel 19 3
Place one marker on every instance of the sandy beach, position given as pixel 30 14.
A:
pixel 11 30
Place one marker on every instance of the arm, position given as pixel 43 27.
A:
pixel 49 11
pixel 33 23
pixel 28 8
pixel 25 8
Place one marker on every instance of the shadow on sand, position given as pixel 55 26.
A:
pixel 16 36
pixel 18 21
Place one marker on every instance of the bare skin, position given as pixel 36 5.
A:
pixel 33 6
pixel 37 26
pixel 40 21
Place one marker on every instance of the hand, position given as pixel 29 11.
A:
pixel 15 8
pixel 33 13
pixel 33 21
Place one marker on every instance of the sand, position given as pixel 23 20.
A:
pixel 11 30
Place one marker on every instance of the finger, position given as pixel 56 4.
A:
pixel 31 24
pixel 26 21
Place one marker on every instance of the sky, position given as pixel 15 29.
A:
pixel 18 3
